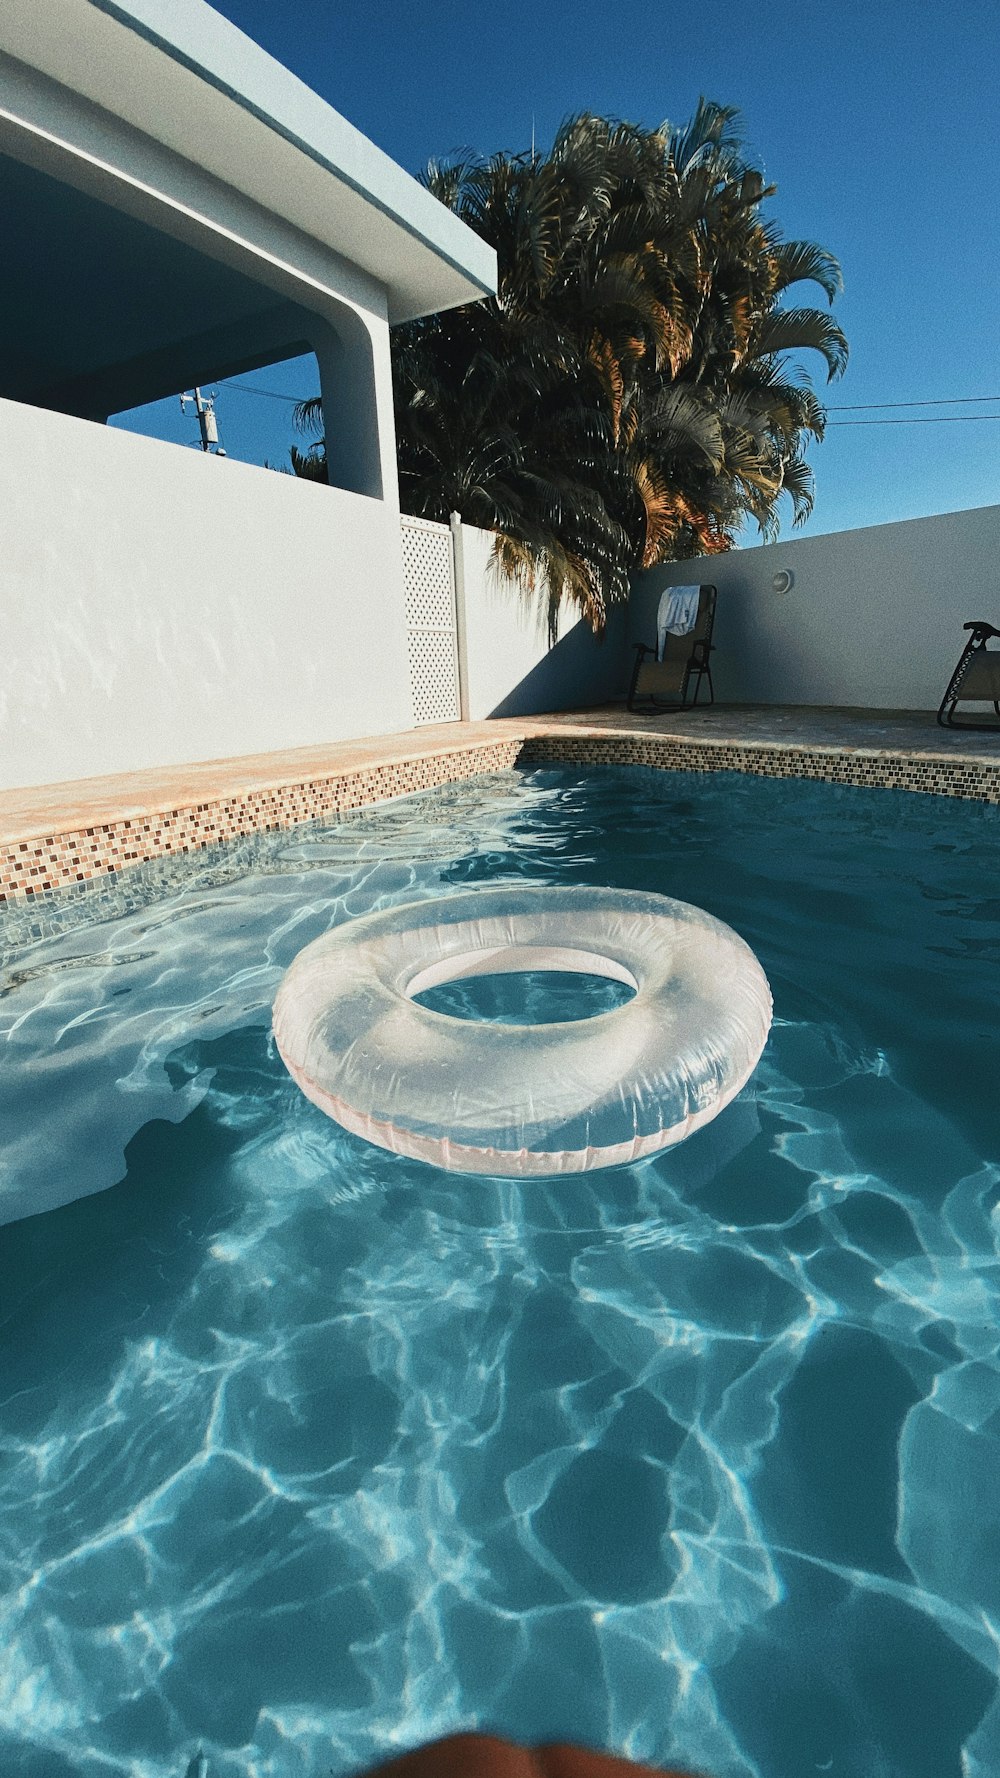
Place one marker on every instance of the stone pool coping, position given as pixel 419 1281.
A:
pixel 69 836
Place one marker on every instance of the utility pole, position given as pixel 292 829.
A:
pixel 208 425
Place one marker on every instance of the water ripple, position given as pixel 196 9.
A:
pixel 308 1453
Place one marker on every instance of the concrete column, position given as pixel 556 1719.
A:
pixel 357 417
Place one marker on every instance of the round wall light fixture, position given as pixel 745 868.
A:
pixel 783 581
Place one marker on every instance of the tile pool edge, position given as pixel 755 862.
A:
pixel 933 774
pixel 81 857
pixel 78 857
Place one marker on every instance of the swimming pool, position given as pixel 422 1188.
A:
pixel 310 1452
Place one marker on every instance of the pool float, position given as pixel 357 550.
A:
pixel 525 1099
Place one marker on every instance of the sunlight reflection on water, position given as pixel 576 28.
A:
pixel 310 1452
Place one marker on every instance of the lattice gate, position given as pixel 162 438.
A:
pixel 431 624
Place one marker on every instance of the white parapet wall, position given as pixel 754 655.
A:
pixel 508 668
pixel 872 618
pixel 161 607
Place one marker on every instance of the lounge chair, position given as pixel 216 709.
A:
pixel 666 683
pixel 976 679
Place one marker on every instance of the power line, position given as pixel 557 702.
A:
pixel 854 407
pixel 272 394
pixel 921 420
pixel 858 407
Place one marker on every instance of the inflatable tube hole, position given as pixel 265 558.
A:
pixel 527 997
pixel 517 960
pixel 523 985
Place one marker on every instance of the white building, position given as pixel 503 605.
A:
pixel 178 208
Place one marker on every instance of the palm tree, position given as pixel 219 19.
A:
pixel 625 399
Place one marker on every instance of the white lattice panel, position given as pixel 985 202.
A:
pixel 430 594
pixel 430 620
pixel 432 676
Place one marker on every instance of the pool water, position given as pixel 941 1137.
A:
pixel 309 1453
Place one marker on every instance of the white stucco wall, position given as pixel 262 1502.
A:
pixel 874 618
pixel 160 607
pixel 509 669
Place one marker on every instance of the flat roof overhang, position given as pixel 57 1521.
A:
pixel 149 314
pixel 179 73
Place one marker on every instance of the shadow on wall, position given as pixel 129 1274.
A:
pixel 577 673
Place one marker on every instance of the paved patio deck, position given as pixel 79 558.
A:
pixel 902 732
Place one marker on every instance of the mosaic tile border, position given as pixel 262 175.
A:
pixel 932 774
pixel 79 860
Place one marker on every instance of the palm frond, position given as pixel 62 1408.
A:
pixel 308 415
pixel 799 261
pixel 794 330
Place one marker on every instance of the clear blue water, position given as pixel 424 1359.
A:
pixel 309 1453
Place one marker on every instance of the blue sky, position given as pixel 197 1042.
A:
pixel 876 119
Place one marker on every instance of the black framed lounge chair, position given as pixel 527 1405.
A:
pixel 976 679
pixel 665 682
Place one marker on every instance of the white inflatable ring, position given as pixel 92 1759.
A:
pixel 525 1099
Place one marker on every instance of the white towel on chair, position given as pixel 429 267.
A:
pixel 677 614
